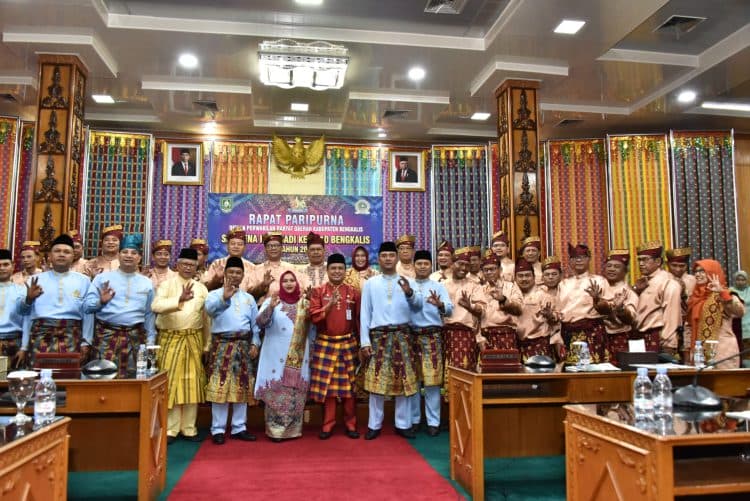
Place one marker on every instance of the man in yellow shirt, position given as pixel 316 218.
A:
pixel 179 321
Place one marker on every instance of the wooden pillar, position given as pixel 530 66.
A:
pixel 56 181
pixel 518 148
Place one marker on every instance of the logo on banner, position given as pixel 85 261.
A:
pixel 298 206
pixel 362 207
pixel 226 205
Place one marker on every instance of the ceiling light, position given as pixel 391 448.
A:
pixel 312 3
pixel 416 73
pixel 103 98
pixel 300 106
pixel 382 134
pixel 480 115
pixel 188 61
pixel 716 105
pixel 569 26
pixel 209 126
pixel 289 118
pixel 315 65
pixel 380 129
pixel 686 96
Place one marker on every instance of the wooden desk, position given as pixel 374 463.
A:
pixel 36 466
pixel 608 460
pixel 118 424
pixel 521 414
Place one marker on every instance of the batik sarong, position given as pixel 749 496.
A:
pixel 501 337
pixel 9 345
pixel 536 346
pixel 119 343
pixel 591 331
pixel 55 336
pixel 614 344
pixel 429 361
pixel 651 338
pixel 230 369
pixel 390 370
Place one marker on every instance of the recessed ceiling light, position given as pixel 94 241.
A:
pixel 686 96
pixel 569 26
pixel 309 2
pixel 209 126
pixel 380 129
pixel 382 134
pixel 480 115
pixel 716 105
pixel 416 73
pixel 188 61
pixel 103 98
pixel 289 118
pixel 300 106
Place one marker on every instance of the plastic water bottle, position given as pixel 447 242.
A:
pixel 662 394
pixel 45 400
pixel 698 359
pixel 643 404
pixel 141 364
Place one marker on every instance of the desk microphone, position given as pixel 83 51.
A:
pixel 694 397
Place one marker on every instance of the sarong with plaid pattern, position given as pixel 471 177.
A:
pixel 231 371
pixel 332 367
pixel 55 336
pixel 429 361
pixel 10 342
pixel 390 370
pixel 119 343
pixel 589 330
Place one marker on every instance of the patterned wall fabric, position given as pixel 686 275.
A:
pixel 354 170
pixel 24 184
pixel 240 167
pixel 496 220
pixel 542 179
pixel 179 212
pixel 116 186
pixel 460 195
pixel 640 193
pixel 407 211
pixel 8 144
pixel 704 189
pixel 577 199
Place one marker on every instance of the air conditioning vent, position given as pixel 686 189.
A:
pixel 395 114
pixel 207 104
pixel 444 6
pixel 680 24
pixel 566 122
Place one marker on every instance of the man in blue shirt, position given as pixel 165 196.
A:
pixel 12 298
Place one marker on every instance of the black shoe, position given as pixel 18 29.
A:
pixel 218 439
pixel 352 434
pixel 171 439
pixel 433 431
pixel 407 433
pixel 244 435
pixel 372 434
pixel 192 438
pixel 415 428
pixel 324 435
pixel 275 440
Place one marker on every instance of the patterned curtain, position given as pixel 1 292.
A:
pixel 240 167
pixel 640 198
pixel 406 211
pixel 23 196
pixel 179 212
pixel 8 147
pixel 117 185
pixel 354 170
pixel 577 198
pixel 704 195
pixel 460 195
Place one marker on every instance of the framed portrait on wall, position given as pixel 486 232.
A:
pixel 183 163
pixel 406 171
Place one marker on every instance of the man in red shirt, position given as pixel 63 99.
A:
pixel 334 309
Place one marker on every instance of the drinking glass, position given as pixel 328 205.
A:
pixel 581 354
pixel 710 348
pixel 21 386
pixel 151 358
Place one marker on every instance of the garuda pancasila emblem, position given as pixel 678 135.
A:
pixel 296 159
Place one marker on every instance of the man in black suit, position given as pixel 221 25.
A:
pixel 185 167
pixel 405 174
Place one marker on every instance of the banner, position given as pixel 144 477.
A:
pixel 343 222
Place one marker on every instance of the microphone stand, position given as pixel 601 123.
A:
pixel 694 397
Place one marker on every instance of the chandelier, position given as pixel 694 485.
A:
pixel 314 65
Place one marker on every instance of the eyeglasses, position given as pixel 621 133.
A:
pixel 273 246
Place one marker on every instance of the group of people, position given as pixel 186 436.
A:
pixel 235 332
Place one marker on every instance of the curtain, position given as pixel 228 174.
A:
pixel 117 185
pixel 8 148
pixel 354 170
pixel 23 185
pixel 577 198
pixel 406 212
pixel 704 195
pixel 240 167
pixel 640 193
pixel 460 195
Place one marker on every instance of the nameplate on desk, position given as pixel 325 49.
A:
pixel 493 361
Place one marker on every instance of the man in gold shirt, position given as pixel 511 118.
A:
pixel 179 321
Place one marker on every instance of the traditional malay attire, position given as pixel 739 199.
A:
pixel 427 345
pixel 460 331
pixel 57 322
pixel 580 320
pixel 103 263
pixel 23 276
pixel 357 275
pixel 156 275
pixel 659 314
pixel 498 326
pixel 231 370
pixel 384 326
pixel 79 265
pixel 475 254
pixel 315 275
pixel 506 264
pixel 536 334
pixel 284 366
pixel 334 353
pixel 710 314
pixel 406 269
pixel 254 279
pixel 441 275
pixel 180 329
pixel 12 307
pixel 125 321
pixel 687 285
pixel 552 262
pixel 533 241
pixel 201 245
pixel 618 332
pixel 216 268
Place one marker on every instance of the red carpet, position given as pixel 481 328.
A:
pixel 310 469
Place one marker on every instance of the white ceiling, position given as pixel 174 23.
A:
pixel 616 74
